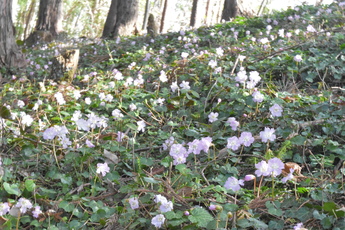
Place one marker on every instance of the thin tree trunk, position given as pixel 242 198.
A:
pixel 10 54
pixel 163 16
pixel 208 12
pixel 167 15
pixel 146 15
pixel 193 16
pixel 28 18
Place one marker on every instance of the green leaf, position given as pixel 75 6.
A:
pixel 195 94
pixel 327 222
pixel 150 180
pixel 329 207
pixel 173 215
pixel 200 217
pixel 298 140
pixel 68 207
pixel 258 224
pixel 342 46
pixel 192 133
pixel 30 185
pixel 272 209
pixel 12 189
pixel 276 224
pixel 66 179
pixel 182 168
pixel 4 112
pixel 132 126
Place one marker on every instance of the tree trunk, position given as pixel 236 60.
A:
pixel 121 19
pixel 168 12
pixel 230 10
pixel 29 18
pixel 50 16
pixel 10 54
pixel 146 15
pixel 49 22
pixel 193 17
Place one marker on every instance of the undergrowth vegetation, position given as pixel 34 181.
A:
pixel 236 126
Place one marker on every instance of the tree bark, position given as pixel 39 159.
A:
pixel 121 19
pixel 168 12
pixel 29 18
pixel 10 54
pixel 230 10
pixel 50 16
pixel 146 15
pixel 193 17
pixel 49 22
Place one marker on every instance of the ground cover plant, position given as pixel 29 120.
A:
pixel 236 126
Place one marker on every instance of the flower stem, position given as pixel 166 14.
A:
pixel 259 186
pixel 273 187
pixel 17 224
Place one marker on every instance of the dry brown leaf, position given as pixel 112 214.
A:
pixel 291 165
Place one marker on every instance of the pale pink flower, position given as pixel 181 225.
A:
pixel 158 220
pixel 133 202
pixel 141 126
pixel 258 97
pixel 163 77
pixel 246 138
pixel 212 117
pixel 185 85
pixel 212 207
pixel 174 86
pixel 275 166
pixel 233 123
pixel 102 168
pixel 289 176
pixel 267 135
pixel 23 204
pixel 184 55
pixel 166 206
pixel 89 144
pixel 160 199
pixel 233 143
pixel 262 169
pixel 36 212
pixel 297 58
pixel 234 184
pixel 249 177
pixel 4 208
pixel 276 110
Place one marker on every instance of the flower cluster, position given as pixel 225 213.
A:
pixel 164 206
pixel 179 153
pixel 23 206
pixel 59 98
pixel 246 139
pixel 233 123
pixel 26 119
pixel 92 122
pixel 57 131
pixel 242 78
pixel 273 167
pixel 184 85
